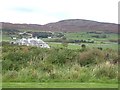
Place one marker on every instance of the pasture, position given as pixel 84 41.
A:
pixel 86 35
pixel 113 46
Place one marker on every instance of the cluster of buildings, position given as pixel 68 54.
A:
pixel 31 42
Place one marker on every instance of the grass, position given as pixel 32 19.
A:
pixel 113 46
pixel 6 38
pixel 84 35
pixel 59 45
pixel 79 36
pixel 58 85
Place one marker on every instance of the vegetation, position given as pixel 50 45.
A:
pixel 58 85
pixel 74 60
pixel 32 64
pixel 42 34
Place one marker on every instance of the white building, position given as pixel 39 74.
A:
pixel 32 42
pixel 49 37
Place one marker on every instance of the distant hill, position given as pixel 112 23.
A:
pixel 70 25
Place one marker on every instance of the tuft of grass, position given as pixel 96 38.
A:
pixel 106 70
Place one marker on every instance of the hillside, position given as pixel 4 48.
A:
pixel 70 25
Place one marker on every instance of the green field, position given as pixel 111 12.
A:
pixel 59 85
pixel 85 35
pixel 59 45
pixel 75 46
pixel 89 45
pixel 6 38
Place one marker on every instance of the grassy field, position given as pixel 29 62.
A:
pixel 98 42
pixel 6 38
pixel 58 85
pixel 79 36
pixel 90 45
pixel 75 46
pixel 85 35
pixel 59 45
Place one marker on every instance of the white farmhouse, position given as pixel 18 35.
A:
pixel 32 42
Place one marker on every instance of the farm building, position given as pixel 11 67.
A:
pixel 32 42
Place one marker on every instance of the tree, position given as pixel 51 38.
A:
pixel 83 46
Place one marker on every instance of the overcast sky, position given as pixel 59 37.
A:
pixel 46 11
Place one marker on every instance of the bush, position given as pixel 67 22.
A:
pixel 61 56
pixel 15 60
pixel 91 57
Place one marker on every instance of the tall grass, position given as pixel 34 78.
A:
pixel 32 64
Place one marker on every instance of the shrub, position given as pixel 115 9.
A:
pixel 60 56
pixel 15 60
pixel 91 57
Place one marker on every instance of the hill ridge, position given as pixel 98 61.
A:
pixel 68 25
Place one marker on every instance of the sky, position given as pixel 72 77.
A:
pixel 47 11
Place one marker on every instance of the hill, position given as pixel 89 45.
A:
pixel 70 25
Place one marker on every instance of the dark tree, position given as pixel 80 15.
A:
pixel 83 46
